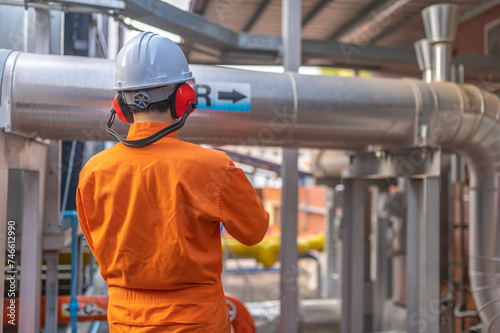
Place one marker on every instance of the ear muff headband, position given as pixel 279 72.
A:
pixel 180 100
pixel 122 109
pixel 154 137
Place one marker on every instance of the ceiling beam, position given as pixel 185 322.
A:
pixel 403 23
pixel 199 6
pixel 478 9
pixel 262 7
pixel 351 55
pixel 191 26
pixel 372 22
pixel 198 29
pixel 315 11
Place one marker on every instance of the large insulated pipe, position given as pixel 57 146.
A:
pixel 467 120
pixel 440 24
pixel 69 98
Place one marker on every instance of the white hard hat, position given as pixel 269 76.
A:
pixel 150 60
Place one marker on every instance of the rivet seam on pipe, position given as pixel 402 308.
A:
pixel 461 108
pixel 8 86
pixel 419 108
pixel 4 55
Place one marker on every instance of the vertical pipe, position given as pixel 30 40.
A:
pixel 461 180
pixel 461 214
pixel 441 23
pixel 330 239
pixel 289 253
pixel 423 52
pixel 441 61
pixel 291 30
pixel 450 189
pixel 73 305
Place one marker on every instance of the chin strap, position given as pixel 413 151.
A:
pixel 153 137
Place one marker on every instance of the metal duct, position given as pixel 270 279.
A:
pixel 441 23
pixel 68 98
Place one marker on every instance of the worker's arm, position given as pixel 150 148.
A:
pixel 82 218
pixel 240 208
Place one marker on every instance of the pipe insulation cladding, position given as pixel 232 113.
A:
pixel 63 97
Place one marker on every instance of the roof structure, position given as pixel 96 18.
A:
pixel 362 34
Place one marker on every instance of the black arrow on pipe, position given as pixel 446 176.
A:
pixel 234 95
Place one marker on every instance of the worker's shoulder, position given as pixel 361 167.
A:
pixel 205 155
pixel 103 159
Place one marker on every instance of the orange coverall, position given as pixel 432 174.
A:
pixel 151 218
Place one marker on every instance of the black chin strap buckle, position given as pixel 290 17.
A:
pixel 111 118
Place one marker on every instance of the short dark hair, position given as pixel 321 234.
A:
pixel 161 107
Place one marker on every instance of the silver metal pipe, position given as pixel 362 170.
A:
pixel 467 120
pixel 441 23
pixel 69 98
pixel 441 61
pixel 291 13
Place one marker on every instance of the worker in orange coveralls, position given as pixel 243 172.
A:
pixel 150 207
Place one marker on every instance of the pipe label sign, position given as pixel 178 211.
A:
pixel 223 96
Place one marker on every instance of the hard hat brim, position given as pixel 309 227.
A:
pixel 191 81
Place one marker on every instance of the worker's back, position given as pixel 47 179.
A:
pixel 151 217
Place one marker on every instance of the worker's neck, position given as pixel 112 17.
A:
pixel 163 117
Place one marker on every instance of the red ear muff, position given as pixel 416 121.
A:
pixel 181 99
pixel 122 109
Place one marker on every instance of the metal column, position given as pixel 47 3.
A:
pixel 333 240
pixel 42 31
pixel 28 157
pixel 353 256
pixel 4 180
pixel 291 29
pixel 289 253
pixel 51 291
pixel 423 299
pixel 381 284
pixel 31 254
